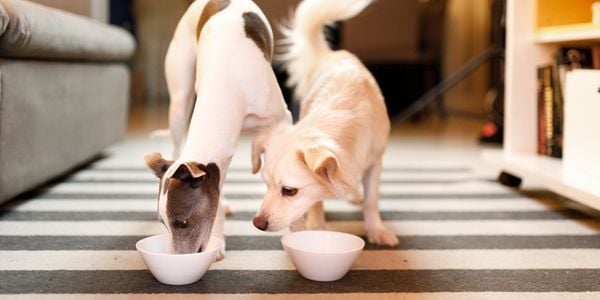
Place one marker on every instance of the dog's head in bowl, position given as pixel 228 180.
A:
pixel 188 200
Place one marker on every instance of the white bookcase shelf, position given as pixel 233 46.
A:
pixel 576 33
pixel 528 47
pixel 548 172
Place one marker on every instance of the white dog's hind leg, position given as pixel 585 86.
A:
pixel 180 72
pixel 315 217
pixel 377 233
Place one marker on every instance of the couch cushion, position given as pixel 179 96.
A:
pixel 75 110
pixel 3 19
pixel 36 31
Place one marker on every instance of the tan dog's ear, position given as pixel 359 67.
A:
pixel 319 159
pixel 157 164
pixel 258 148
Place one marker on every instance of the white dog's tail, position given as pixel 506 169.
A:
pixel 304 41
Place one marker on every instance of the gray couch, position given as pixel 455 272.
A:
pixel 64 91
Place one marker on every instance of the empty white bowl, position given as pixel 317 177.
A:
pixel 176 269
pixel 322 255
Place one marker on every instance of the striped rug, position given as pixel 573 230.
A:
pixel 462 236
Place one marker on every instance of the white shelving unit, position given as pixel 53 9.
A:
pixel 577 33
pixel 527 48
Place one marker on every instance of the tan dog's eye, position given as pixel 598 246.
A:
pixel 288 191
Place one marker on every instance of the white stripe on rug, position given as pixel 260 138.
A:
pixel 278 260
pixel 466 187
pixel 426 205
pixel 425 228
pixel 147 175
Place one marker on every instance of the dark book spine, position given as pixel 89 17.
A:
pixel 541 128
pixel 558 75
pixel 596 58
pixel 548 111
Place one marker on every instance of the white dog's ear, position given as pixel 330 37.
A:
pixel 258 148
pixel 319 159
pixel 189 170
pixel 157 164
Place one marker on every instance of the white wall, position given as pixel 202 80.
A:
pixel 386 31
pixel 467 34
pixel 155 24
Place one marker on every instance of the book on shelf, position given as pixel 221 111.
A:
pixel 551 81
pixel 562 63
pixel 546 102
pixel 541 120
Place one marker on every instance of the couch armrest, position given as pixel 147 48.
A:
pixel 40 32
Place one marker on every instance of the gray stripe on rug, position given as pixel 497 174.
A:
pixel 358 281
pixel 19 243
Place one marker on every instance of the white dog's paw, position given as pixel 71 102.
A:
pixel 227 209
pixel 382 236
pixel 220 255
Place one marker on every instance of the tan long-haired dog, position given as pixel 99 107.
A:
pixel 341 137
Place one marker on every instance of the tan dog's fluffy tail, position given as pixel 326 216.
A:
pixel 304 41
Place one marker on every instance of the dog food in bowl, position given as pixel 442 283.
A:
pixel 176 269
pixel 322 255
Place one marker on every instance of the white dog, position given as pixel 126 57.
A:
pixel 340 139
pixel 221 54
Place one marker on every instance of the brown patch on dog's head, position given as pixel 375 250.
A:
pixel 212 8
pixel 257 31
pixel 192 204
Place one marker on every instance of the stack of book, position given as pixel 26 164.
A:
pixel 551 79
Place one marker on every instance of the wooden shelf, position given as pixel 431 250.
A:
pixel 574 33
pixel 550 173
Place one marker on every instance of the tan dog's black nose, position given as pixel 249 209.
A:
pixel 260 222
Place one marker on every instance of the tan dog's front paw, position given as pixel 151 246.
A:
pixel 315 220
pixel 298 225
pixel 315 224
pixel 382 236
pixel 355 196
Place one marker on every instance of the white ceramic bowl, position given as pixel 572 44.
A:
pixel 322 255
pixel 176 269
